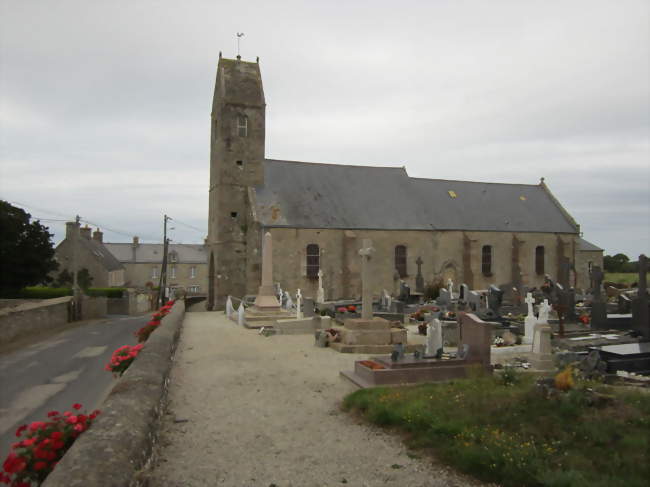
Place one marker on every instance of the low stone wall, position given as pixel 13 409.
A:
pixel 117 306
pixel 33 317
pixel 119 443
pixel 93 307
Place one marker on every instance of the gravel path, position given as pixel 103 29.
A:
pixel 247 410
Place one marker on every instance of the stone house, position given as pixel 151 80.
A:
pixel 472 232
pixel 103 267
pixel 186 264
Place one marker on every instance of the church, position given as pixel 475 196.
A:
pixel 318 214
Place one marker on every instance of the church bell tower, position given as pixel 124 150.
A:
pixel 236 164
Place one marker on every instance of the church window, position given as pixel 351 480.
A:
pixel 539 260
pixel 400 260
pixel 172 272
pixel 233 214
pixel 240 163
pixel 242 126
pixel 486 260
pixel 313 260
pixel 192 272
pixel 173 256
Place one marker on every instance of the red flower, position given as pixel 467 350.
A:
pixel 28 442
pixel 56 435
pixel 77 406
pixel 21 429
pixel 79 427
pixel 341 309
pixel 51 414
pixel 14 463
pixel 71 419
pixel 352 308
pixel 57 444
pixel 40 465
pixel 36 425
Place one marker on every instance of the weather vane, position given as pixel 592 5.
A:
pixel 239 36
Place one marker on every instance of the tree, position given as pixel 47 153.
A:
pixel 64 279
pixel 26 251
pixel 616 263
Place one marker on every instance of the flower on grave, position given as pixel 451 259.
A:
pixel 122 358
pixel 584 318
pixel 352 308
pixel 42 445
pixel 342 309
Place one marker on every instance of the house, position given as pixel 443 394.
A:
pixel 477 233
pixel 91 254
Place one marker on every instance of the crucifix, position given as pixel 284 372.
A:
pixel 530 301
pixel 366 290
pixel 239 36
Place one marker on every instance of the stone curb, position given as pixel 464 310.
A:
pixel 119 443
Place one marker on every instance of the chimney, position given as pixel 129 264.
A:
pixel 134 247
pixel 71 228
pixel 136 241
pixel 85 232
pixel 98 236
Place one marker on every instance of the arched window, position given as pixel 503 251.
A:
pixel 486 260
pixel 400 260
pixel 539 260
pixel 242 125
pixel 313 260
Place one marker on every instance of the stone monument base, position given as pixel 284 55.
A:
pixel 374 335
pixel 257 318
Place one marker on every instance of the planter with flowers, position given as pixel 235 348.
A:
pixel 122 358
pixel 42 444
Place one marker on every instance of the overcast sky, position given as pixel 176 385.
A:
pixel 105 105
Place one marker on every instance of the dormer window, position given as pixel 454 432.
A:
pixel 173 256
pixel 242 126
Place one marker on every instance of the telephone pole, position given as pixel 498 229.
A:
pixel 162 289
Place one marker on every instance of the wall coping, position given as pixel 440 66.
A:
pixel 31 306
pixel 119 443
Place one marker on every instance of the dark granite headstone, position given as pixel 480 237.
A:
pixel 624 304
pixel 419 280
pixel 598 306
pixel 640 311
pixel 495 297
pixel 404 292
pixel 308 307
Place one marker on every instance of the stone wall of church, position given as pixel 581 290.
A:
pixel 584 260
pixel 443 253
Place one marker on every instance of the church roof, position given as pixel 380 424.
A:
pixel 587 246
pixel 313 195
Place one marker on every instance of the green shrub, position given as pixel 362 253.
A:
pixel 109 292
pixel 42 292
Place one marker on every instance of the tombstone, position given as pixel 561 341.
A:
pixel 266 299
pixel 398 352
pixel 462 295
pixel 544 310
pixel 564 272
pixel 308 308
pixel 530 321
pixel 542 358
pixel 495 297
pixel 229 308
pixel 404 292
pixel 320 293
pixel 474 300
pixel 279 293
pixel 434 339
pixel 288 302
pixel 475 339
pixel 419 279
pixel 298 305
pixel 366 287
pixel 444 298
pixel 397 307
pixel 241 315
pixel 598 306
pixel 624 304
pixel 640 312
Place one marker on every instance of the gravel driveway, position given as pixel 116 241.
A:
pixel 247 410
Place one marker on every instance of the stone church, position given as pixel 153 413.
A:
pixel 318 214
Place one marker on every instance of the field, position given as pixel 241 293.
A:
pixel 623 277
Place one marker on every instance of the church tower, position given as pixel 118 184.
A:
pixel 236 164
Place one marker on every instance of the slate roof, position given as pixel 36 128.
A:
pixel 153 253
pixel 313 195
pixel 101 253
pixel 587 246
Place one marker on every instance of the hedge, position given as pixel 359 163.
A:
pixel 109 292
pixel 40 292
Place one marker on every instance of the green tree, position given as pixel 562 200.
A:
pixel 616 263
pixel 26 250
pixel 84 279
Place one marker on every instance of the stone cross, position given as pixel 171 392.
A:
pixel 530 321
pixel 640 319
pixel 530 301
pixel 366 289
pixel 298 305
pixel 320 293
pixel 288 301
pixel 229 309
pixel 597 276
pixel 419 279
pixel 544 310
pixel 266 298
pixel 450 288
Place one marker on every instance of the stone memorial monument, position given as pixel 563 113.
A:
pixel 266 299
pixel 419 279
pixel 530 321
pixel 320 293
pixel 434 339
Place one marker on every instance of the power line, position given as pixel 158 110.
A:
pixel 188 225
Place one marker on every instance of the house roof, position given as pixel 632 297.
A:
pixel 587 246
pixel 153 253
pixel 313 195
pixel 102 254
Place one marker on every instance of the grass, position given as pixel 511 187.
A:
pixel 623 277
pixel 514 435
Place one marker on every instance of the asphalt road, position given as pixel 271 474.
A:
pixel 58 371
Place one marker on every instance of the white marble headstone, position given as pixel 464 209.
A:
pixel 434 338
pixel 530 321
pixel 288 301
pixel 241 317
pixel 298 305
pixel 229 308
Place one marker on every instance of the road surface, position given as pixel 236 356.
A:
pixel 58 371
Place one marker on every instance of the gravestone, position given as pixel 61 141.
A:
pixel 462 295
pixel 544 310
pixel 298 305
pixel 444 298
pixel 450 288
pixel 397 307
pixel 541 359
pixel 419 279
pixel 530 321
pixel 229 308
pixel 495 297
pixel 404 292
pixel 320 293
pixel 598 305
pixel 308 308
pixel 434 339
pixel 474 300
pixel 288 302
pixel 266 299
pixel 624 304
pixel 640 312
pixel 241 315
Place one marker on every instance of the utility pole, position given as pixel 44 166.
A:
pixel 163 268
pixel 76 295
